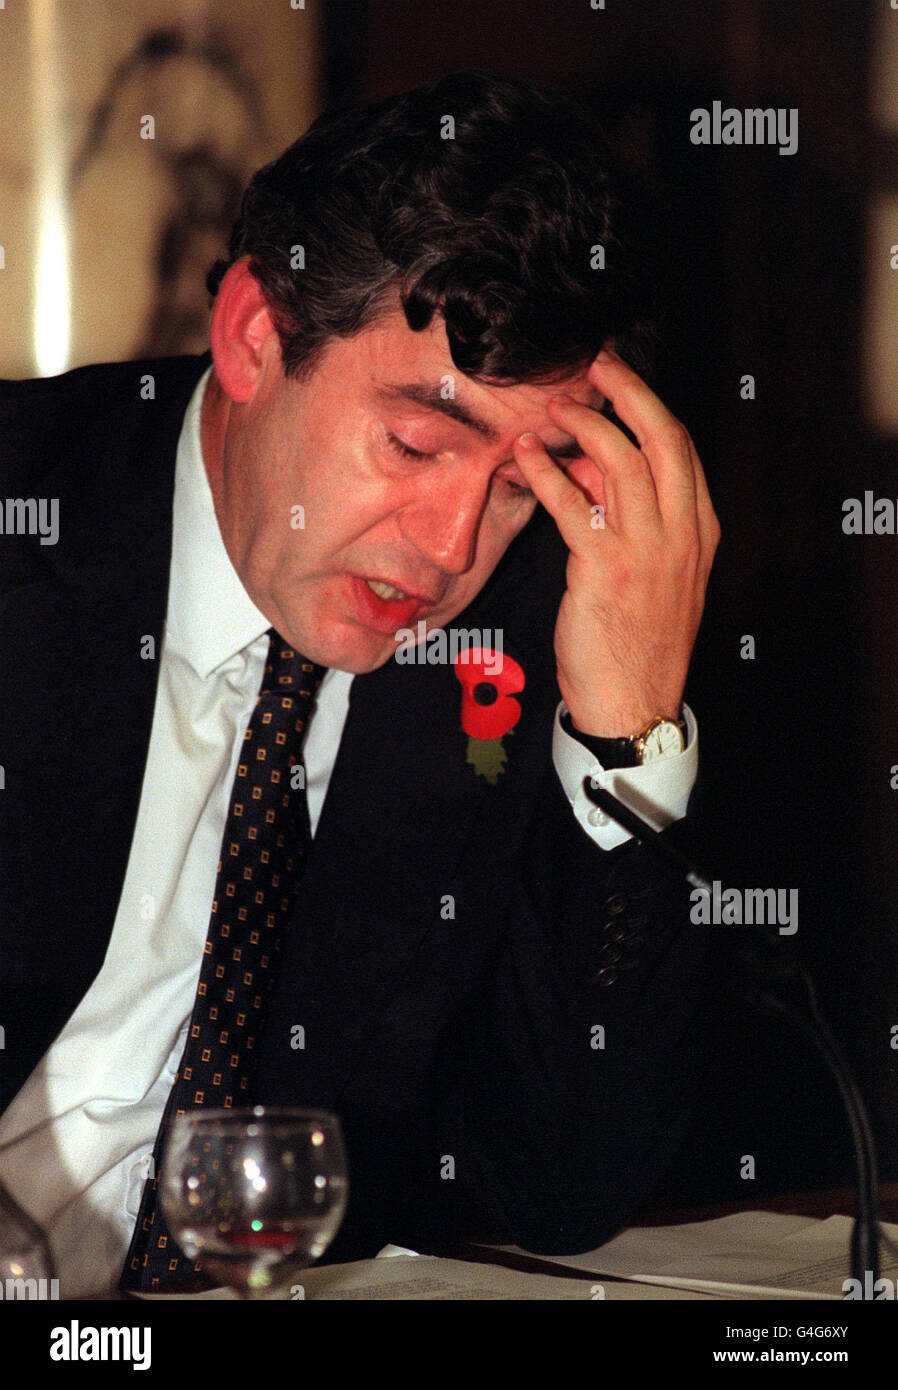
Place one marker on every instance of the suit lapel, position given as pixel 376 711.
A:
pixel 83 683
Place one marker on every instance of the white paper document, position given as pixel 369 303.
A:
pixel 424 1277
pixel 753 1252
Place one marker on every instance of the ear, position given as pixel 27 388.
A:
pixel 242 333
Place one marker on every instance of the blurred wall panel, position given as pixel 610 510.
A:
pixel 127 133
pixel 881 339
pixel 881 304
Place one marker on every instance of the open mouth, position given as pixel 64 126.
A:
pixel 386 591
pixel 384 606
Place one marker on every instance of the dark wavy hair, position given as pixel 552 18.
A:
pixel 494 225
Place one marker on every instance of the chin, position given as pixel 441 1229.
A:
pixel 360 668
pixel 353 651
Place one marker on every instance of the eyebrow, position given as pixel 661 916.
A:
pixel 431 398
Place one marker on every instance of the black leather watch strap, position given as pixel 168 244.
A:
pixel 611 752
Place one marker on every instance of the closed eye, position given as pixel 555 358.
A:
pixel 518 490
pixel 405 450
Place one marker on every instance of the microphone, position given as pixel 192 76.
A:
pixel 760 970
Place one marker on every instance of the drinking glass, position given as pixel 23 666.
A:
pixel 256 1194
pixel 26 1264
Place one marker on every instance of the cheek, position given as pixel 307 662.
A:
pixel 493 541
pixel 325 478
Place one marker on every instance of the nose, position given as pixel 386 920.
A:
pixel 443 522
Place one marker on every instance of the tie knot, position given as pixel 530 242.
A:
pixel 288 671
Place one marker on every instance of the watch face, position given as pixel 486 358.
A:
pixel 663 741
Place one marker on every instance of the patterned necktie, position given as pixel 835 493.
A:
pixel 263 851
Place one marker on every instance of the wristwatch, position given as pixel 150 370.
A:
pixel 661 738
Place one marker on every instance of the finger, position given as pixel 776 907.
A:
pixel 709 526
pixel 662 438
pixel 633 399
pixel 590 480
pixel 561 498
pixel 627 475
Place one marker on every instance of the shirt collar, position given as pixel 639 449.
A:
pixel 210 615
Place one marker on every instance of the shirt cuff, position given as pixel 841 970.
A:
pixel 658 791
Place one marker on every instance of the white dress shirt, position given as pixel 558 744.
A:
pixel 86 1119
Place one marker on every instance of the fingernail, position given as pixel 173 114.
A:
pixel 529 440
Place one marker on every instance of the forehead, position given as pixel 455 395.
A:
pixel 398 366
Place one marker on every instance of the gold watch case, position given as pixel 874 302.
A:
pixel 652 745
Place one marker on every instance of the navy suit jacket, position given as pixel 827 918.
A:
pixel 460 1051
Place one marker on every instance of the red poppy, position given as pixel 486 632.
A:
pixel 487 707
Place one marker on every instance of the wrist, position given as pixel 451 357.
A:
pixel 617 726
pixel 620 717
pixel 658 737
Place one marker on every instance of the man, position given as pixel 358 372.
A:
pixel 488 981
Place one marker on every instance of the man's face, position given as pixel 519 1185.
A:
pixel 404 471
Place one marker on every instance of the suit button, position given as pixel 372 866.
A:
pixel 616 904
pixel 606 976
pixel 616 929
pixel 610 955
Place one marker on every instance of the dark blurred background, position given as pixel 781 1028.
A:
pixel 772 265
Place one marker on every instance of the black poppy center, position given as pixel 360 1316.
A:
pixel 485 693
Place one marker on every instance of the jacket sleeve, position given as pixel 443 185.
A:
pixel 569 1086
